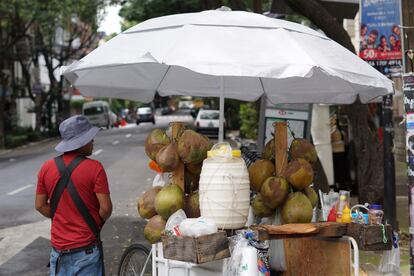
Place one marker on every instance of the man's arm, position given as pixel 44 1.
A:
pixel 105 205
pixel 42 205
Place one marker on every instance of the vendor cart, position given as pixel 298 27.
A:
pixel 228 54
pixel 324 248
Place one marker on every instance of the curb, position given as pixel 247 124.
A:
pixel 26 146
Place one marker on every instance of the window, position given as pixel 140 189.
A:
pixel 93 110
pixel 209 116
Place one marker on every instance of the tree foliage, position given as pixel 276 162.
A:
pixel 135 11
pixel 249 120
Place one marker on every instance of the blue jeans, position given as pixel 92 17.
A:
pixel 80 263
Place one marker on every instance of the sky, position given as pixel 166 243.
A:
pixel 112 21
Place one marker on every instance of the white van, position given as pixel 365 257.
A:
pixel 99 114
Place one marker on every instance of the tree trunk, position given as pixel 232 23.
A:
pixel 2 110
pixel 368 151
pixel 210 4
pixel 237 5
pixel 257 6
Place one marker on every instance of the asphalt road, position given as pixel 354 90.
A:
pixel 25 234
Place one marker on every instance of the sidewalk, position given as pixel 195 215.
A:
pixel 39 145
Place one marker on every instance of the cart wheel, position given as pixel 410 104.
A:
pixel 136 260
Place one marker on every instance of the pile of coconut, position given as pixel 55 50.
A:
pixel 159 203
pixel 290 191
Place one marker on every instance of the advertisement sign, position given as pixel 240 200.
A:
pixel 297 121
pixel 408 84
pixel 380 35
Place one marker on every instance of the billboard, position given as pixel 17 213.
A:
pixel 380 35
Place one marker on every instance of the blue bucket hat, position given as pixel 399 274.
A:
pixel 76 132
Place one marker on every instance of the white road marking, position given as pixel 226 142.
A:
pixel 20 189
pixel 12 160
pixel 97 152
pixel 16 238
pixel 115 142
pixel 128 135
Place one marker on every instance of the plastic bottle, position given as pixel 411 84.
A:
pixel 346 215
pixel 375 214
pixel 332 215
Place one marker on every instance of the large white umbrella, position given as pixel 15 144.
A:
pixel 232 54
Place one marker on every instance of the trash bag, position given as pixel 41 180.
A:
pixel 390 261
pixel 248 256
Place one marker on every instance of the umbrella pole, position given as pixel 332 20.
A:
pixel 221 119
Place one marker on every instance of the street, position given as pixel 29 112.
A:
pixel 25 234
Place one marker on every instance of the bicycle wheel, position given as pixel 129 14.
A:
pixel 136 261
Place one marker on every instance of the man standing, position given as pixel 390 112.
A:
pixel 73 191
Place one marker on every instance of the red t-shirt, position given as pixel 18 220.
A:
pixel 69 230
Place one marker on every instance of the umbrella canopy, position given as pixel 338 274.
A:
pixel 237 54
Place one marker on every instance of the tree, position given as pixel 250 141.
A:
pixel 369 152
pixel 12 34
pixel 67 31
pixel 135 11
pixel 54 32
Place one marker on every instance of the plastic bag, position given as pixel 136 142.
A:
pixel 221 150
pixel 248 256
pixel 277 248
pixel 390 261
pixel 232 265
pixel 158 180
pixel 196 227
pixel 173 223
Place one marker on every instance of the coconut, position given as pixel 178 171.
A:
pixel 154 229
pixel 167 158
pixel 302 148
pixel 269 150
pixel 169 200
pixel 194 168
pixel 155 141
pixel 193 147
pixel 274 191
pixel 260 209
pixel 259 171
pixel 192 205
pixel 312 195
pixel 191 181
pixel 146 208
pixel 299 173
pixel 297 209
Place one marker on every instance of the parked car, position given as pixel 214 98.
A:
pixel 145 114
pixel 207 122
pixel 99 114
pixel 185 104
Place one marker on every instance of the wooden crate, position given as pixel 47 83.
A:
pixel 369 237
pixel 196 250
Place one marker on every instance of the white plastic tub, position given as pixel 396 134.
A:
pixel 225 192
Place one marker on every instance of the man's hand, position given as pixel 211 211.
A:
pixel 42 205
pixel 105 205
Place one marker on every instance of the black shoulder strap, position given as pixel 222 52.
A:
pixel 83 210
pixel 65 173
